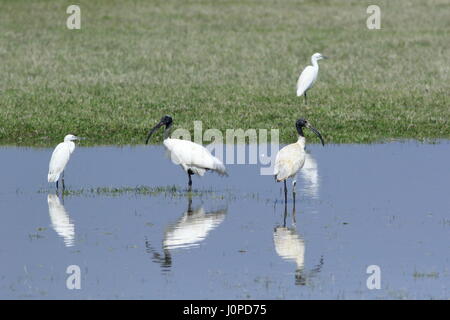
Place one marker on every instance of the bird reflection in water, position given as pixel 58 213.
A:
pixel 310 175
pixel 188 232
pixel 60 220
pixel 290 246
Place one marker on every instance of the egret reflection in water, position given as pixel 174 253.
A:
pixel 60 220
pixel 310 176
pixel 188 232
pixel 290 246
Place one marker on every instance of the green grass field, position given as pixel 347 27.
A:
pixel 231 64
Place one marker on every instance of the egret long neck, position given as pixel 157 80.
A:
pixel 314 63
pixel 71 145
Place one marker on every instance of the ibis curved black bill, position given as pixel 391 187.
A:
pixel 317 133
pixel 152 131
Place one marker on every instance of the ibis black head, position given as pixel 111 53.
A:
pixel 303 123
pixel 165 121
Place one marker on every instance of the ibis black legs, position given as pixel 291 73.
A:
pixel 190 173
pixel 294 184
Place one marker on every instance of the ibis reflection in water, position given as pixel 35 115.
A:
pixel 60 220
pixel 291 158
pixel 192 157
pixel 290 245
pixel 188 232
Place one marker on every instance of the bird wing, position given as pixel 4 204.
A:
pixel 306 80
pixel 194 156
pixel 289 160
pixel 58 161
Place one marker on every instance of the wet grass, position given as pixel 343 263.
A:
pixel 418 275
pixel 230 64
pixel 170 191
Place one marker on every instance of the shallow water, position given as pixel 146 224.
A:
pixel 356 205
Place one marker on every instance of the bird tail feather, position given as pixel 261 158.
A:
pixel 53 177
pixel 220 168
pixel 281 175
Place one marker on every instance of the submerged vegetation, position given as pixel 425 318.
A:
pixel 171 191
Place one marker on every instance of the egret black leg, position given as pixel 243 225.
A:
pixel 306 100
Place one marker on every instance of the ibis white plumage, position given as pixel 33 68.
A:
pixel 192 157
pixel 60 158
pixel 291 158
pixel 309 75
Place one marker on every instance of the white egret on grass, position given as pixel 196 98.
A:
pixel 60 157
pixel 192 157
pixel 291 158
pixel 309 75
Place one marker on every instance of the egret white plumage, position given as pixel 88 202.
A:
pixel 192 157
pixel 291 158
pixel 309 75
pixel 60 158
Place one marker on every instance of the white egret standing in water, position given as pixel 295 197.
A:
pixel 192 157
pixel 60 157
pixel 309 75
pixel 291 158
